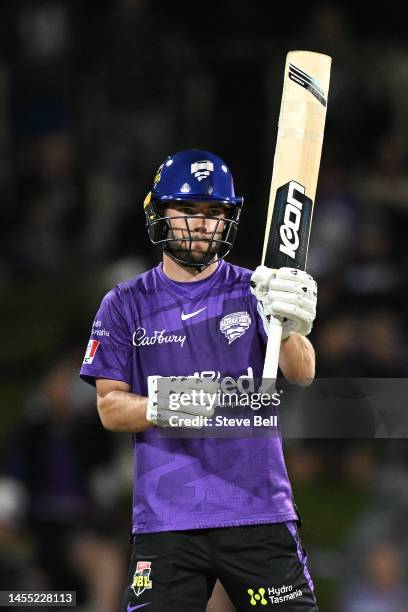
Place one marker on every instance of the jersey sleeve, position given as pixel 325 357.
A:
pixel 109 350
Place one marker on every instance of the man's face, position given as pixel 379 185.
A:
pixel 200 222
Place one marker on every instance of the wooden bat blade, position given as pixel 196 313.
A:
pixel 297 159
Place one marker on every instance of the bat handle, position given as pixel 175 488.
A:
pixel 272 354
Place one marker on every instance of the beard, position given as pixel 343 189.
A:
pixel 203 253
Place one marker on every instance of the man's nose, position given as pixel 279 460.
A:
pixel 199 222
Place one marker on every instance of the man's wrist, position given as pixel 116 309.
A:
pixel 149 421
pixel 287 337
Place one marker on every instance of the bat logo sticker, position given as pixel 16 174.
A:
pixel 304 80
pixel 289 230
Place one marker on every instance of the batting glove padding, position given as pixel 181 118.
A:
pixel 182 396
pixel 287 293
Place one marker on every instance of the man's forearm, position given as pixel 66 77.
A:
pixel 123 411
pixel 297 360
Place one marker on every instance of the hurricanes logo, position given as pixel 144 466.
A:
pixel 141 577
pixel 257 597
pixel 234 325
pixel 289 230
pixel 202 169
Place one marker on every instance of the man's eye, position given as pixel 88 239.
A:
pixel 186 210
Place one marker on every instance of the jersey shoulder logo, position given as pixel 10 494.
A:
pixel 91 351
pixel 234 325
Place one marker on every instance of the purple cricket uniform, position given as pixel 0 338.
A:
pixel 151 325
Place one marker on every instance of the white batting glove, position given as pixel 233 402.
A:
pixel 287 293
pixel 180 397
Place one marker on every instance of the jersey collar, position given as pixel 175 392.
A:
pixel 192 289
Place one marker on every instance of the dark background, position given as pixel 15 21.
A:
pixel 93 97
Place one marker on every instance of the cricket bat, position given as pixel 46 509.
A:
pixel 295 173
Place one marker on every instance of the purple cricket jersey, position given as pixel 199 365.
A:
pixel 152 325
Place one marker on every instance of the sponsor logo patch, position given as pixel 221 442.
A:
pixel 234 325
pixel 276 595
pixel 91 351
pixel 185 316
pixel 139 338
pixel 141 577
pixel 257 597
pixel 97 331
pixel 132 608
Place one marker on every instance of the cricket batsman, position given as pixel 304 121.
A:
pixel 204 508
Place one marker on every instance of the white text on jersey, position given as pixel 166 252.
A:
pixel 140 339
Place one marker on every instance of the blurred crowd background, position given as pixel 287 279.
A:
pixel 93 96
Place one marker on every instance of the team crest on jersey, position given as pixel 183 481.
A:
pixel 91 351
pixel 234 325
pixel 141 577
pixel 202 169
